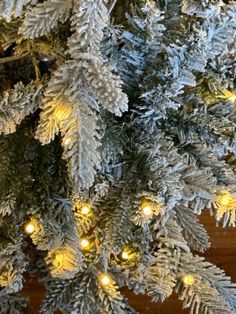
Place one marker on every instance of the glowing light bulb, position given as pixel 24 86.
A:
pixel 147 209
pixel 62 112
pixel 58 260
pixel 232 98
pixel 29 227
pixel 85 210
pixel 84 243
pixel 105 279
pixel 188 280
pixel 67 141
pixel 125 255
pixel 224 199
pixel 229 95
pixel 59 257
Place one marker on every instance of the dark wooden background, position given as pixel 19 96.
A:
pixel 222 253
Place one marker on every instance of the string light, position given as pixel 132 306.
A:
pixel 86 209
pixel 224 199
pixel 58 261
pixel 229 95
pixel 147 209
pixel 29 227
pixel 59 257
pixel 67 141
pixel 62 112
pixel 188 280
pixel 125 255
pixel 105 280
pixel 85 244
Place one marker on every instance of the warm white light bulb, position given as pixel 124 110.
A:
pixel 85 210
pixel 147 211
pixel 188 280
pixel 84 243
pixel 29 228
pixel 62 112
pixel 229 95
pixel 105 279
pixel 67 141
pixel 125 255
pixel 224 199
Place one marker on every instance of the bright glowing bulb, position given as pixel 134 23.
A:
pixel 125 255
pixel 67 141
pixel 105 279
pixel 84 243
pixel 29 228
pixel 85 210
pixel 224 199
pixel 62 112
pixel 58 260
pixel 188 280
pixel 59 257
pixel 147 208
pixel 229 95
pixel 147 211
pixel 233 98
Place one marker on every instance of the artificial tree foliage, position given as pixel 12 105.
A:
pixel 117 122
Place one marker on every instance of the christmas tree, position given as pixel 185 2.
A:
pixel 117 130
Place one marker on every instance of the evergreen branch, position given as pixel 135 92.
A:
pixel 193 232
pixel 8 34
pixel 105 86
pixel 159 282
pixel 79 130
pixel 57 290
pixel 212 291
pixel 13 303
pixel 82 150
pixel 16 104
pixel 87 22
pixel 42 18
pixel 13 58
pixel 12 9
pixel 85 295
pixel 203 9
pixel 202 298
pixel 111 301
pixel 65 260
pixel 116 224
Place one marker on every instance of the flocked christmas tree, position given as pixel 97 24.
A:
pixel 117 124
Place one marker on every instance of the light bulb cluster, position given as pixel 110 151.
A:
pixel 85 243
pixel 85 209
